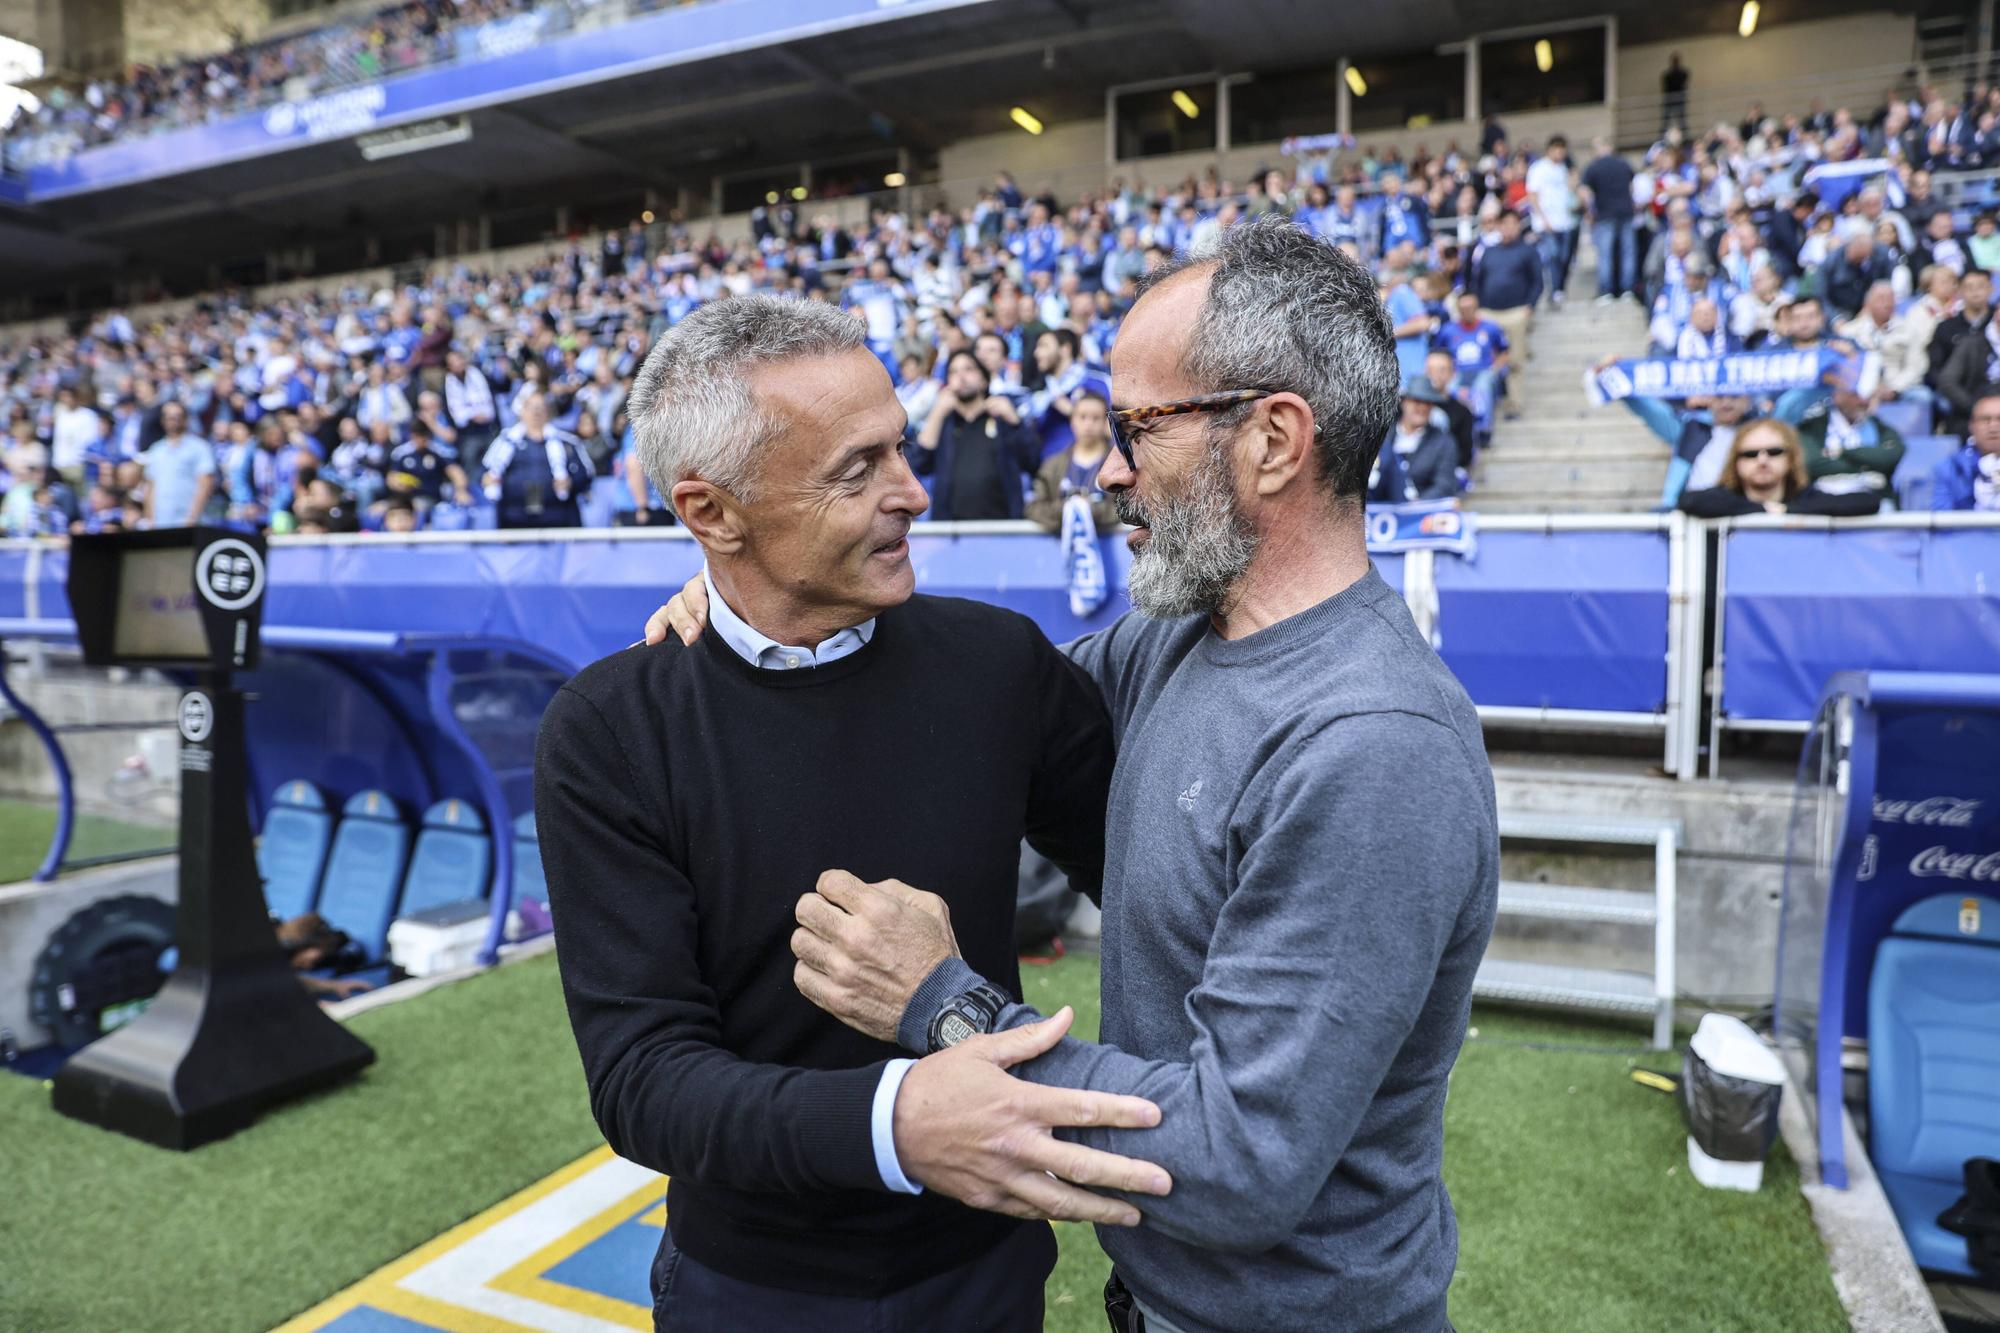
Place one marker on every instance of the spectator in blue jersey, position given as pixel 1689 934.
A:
pixel 977 448
pixel 1410 319
pixel 883 302
pixel 535 474
pixel 1073 470
pixel 360 465
pixel 420 470
pixel 1059 356
pixel 1970 478
pixel 1038 245
pixel 1480 352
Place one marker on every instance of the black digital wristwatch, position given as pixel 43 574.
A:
pixel 966 1014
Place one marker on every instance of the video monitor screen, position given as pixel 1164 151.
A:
pixel 158 618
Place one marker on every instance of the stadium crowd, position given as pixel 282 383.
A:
pixel 1813 231
pixel 484 395
pixel 487 395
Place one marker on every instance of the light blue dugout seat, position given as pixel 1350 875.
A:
pixel 1934 1064
pixel 453 860
pixel 364 875
pixel 291 855
pixel 530 882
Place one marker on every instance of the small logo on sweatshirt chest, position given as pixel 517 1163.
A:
pixel 1190 796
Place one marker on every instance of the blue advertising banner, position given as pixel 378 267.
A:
pixel 505 62
pixel 1736 373
pixel 1799 605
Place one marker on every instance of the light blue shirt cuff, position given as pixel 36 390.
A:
pixel 882 1127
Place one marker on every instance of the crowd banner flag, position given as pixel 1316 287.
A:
pixel 1423 525
pixel 1084 563
pixel 1834 181
pixel 1752 373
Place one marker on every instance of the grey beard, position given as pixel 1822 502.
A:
pixel 1200 544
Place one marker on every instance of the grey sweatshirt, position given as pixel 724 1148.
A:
pixel 1300 870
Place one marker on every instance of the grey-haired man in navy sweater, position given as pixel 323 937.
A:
pixel 832 723
pixel 1302 856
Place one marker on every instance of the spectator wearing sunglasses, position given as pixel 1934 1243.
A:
pixel 1766 474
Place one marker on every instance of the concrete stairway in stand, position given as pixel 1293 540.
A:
pixel 1563 455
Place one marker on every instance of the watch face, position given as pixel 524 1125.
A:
pixel 953 1029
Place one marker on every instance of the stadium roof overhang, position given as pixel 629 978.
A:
pixel 818 81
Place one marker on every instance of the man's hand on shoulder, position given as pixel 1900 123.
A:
pixel 863 949
pixel 968 1129
pixel 684 617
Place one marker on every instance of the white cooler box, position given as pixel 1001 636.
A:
pixel 444 938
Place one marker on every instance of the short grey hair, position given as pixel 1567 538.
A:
pixel 1288 313
pixel 692 411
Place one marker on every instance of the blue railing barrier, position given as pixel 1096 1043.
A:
pixel 1801 599
pixel 1590 622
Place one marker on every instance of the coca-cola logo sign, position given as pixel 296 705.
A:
pixel 1931 812
pixel 1944 863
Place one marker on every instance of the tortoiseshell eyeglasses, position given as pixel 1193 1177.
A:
pixel 1122 421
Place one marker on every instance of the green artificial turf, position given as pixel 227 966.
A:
pixel 1575 1207
pixel 476 1092
pixel 25 829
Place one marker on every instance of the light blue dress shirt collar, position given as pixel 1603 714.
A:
pixel 761 650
